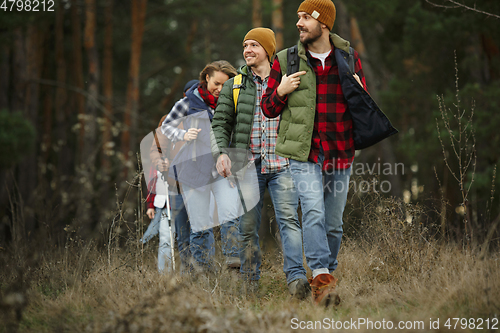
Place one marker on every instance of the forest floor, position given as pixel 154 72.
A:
pixel 403 284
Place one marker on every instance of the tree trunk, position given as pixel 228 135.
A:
pixel 256 13
pixel 492 52
pixel 179 80
pixel 61 92
pixel 89 148
pixel 62 117
pixel 278 23
pixel 107 80
pixel 342 24
pixel 86 169
pixel 208 41
pixel 18 71
pixel 384 148
pixel 132 103
pixel 28 168
pixel 47 138
pixel 4 76
pixel 107 138
pixel 78 73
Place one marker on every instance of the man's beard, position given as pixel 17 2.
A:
pixel 315 34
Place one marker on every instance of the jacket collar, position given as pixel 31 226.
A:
pixel 247 72
pixel 335 39
pixel 194 98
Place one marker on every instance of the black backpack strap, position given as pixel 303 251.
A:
pixel 351 60
pixel 292 60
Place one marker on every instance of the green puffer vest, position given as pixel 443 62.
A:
pixel 297 118
pixel 232 129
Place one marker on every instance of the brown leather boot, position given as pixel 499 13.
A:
pixel 323 290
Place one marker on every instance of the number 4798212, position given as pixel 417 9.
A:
pixel 472 323
pixel 27 5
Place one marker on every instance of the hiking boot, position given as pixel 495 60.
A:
pixel 233 262
pixel 323 290
pixel 299 289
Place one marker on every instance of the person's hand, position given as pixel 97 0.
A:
pixel 358 79
pixel 191 134
pixel 162 165
pixel 289 83
pixel 224 165
pixel 150 213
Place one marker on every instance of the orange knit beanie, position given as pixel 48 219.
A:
pixel 322 10
pixel 265 37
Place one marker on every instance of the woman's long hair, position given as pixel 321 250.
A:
pixel 217 66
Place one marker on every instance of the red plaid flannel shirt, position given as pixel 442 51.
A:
pixel 332 124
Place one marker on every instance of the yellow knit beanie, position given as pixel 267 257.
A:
pixel 322 10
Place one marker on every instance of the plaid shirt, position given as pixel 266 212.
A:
pixel 174 118
pixel 264 134
pixel 332 124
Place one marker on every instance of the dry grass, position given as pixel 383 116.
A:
pixel 390 271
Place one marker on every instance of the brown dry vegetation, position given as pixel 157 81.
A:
pixel 392 270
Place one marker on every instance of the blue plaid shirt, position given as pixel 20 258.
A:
pixel 174 118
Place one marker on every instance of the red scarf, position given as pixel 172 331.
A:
pixel 208 98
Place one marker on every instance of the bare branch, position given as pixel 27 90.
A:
pixel 461 5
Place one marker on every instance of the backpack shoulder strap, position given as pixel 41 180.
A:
pixel 351 60
pixel 158 146
pixel 292 60
pixel 236 89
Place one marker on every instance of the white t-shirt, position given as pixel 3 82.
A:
pixel 321 57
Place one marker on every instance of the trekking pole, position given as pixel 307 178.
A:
pixel 164 175
pixel 169 218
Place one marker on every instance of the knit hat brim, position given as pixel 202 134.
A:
pixel 266 39
pixel 322 10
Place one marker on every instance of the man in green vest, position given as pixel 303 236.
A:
pixel 316 134
pixel 240 124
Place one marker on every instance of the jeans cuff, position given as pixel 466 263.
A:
pixel 296 277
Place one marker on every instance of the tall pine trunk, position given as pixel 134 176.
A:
pixel 384 148
pixel 77 71
pixel 5 55
pixel 256 13
pixel 5 76
pixel 181 77
pixel 278 23
pixel 18 222
pixel 63 117
pixel 28 168
pixel 132 103
pixel 86 169
pixel 90 135
pixel 107 81
pixel 347 27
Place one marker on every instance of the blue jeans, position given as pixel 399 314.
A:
pixel 199 205
pixel 165 244
pixel 323 196
pixel 182 229
pixel 200 243
pixel 285 202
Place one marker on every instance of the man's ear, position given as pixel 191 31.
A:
pixel 324 26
